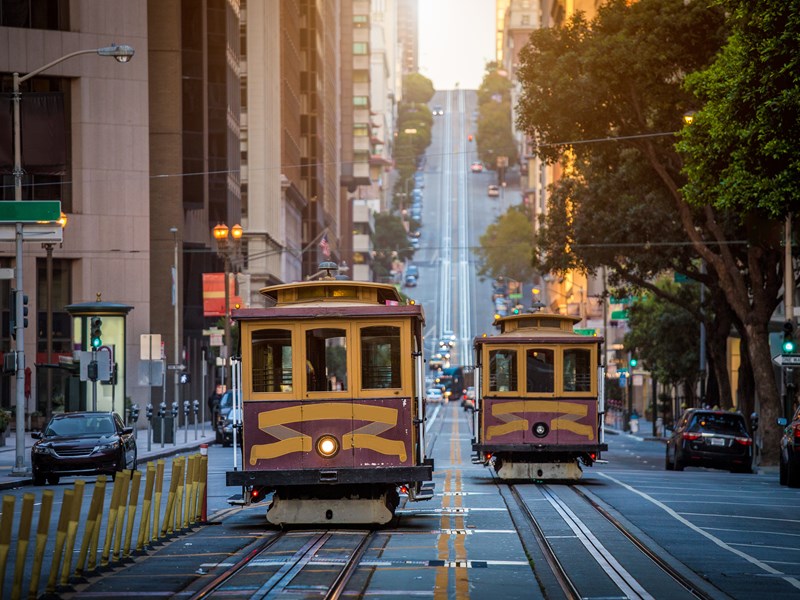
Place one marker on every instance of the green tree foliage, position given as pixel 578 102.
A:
pixel 608 94
pixel 665 337
pixel 505 247
pixel 495 136
pixel 417 88
pixel 741 151
pixel 390 242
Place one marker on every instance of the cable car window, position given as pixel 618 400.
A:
pixel 502 370
pixel 540 370
pixel 272 360
pixel 326 360
pixel 577 370
pixel 380 357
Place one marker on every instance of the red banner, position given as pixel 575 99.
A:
pixel 214 294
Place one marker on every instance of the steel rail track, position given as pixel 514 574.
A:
pixel 280 581
pixel 663 565
pixel 558 570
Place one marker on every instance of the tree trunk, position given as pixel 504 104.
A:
pixel 766 393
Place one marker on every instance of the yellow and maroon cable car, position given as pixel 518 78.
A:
pixel 332 407
pixel 539 404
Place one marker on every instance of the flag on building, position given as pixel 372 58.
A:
pixel 325 246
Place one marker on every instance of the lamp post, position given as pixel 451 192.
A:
pixel 48 248
pixel 123 54
pixel 226 249
pixel 176 314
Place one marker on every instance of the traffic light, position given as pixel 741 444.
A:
pixel 634 362
pixel 789 344
pixel 97 333
pixel 12 322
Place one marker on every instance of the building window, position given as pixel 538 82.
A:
pixel 360 21
pixel 361 101
pixel 360 130
pixel 35 14
pixel 53 382
pixel 360 48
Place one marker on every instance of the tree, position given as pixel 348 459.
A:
pixel 495 137
pixel 620 79
pixel 505 247
pixel 390 242
pixel 417 88
pixel 665 337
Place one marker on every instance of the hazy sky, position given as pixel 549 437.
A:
pixel 456 40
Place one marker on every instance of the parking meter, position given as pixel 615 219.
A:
pixel 134 413
pixel 196 407
pixel 754 420
pixel 186 408
pixel 162 413
pixel 148 411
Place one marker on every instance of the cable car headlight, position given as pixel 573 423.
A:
pixel 540 430
pixel 327 446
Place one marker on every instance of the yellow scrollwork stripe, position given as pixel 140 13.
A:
pixel 578 428
pixel 327 411
pixel 377 444
pixel 521 406
pixel 510 427
pixel 301 443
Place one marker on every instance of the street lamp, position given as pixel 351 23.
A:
pixel 227 249
pixel 123 54
pixel 48 248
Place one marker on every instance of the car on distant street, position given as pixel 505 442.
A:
pixel 82 443
pixel 437 110
pixel 414 243
pixel 493 191
pixel 434 396
pixel 468 401
pixel 410 281
pixel 710 438
pixel 232 421
pixel 476 167
pixel 412 270
pixel 789 470
pixel 225 406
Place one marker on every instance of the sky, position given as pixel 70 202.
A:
pixel 456 40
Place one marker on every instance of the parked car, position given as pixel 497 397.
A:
pixel 434 396
pixel 232 420
pixel 82 443
pixel 412 270
pixel 225 406
pixel 493 191
pixel 789 473
pixel 710 438
pixel 468 401
pixel 476 167
pixel 410 281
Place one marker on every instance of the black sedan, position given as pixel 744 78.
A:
pixel 82 443
pixel 790 451
pixel 710 438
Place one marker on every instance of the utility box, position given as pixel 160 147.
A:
pixel 168 432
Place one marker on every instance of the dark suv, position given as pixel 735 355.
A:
pixel 790 451
pixel 710 438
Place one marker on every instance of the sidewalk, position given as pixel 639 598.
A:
pixel 184 442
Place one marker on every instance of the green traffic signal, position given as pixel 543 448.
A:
pixel 634 362
pixel 789 346
pixel 96 333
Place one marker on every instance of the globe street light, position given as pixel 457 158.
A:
pixel 227 249
pixel 123 54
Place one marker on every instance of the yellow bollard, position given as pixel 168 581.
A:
pixel 94 543
pixel 91 523
pixel 125 477
pixel 112 522
pixel 195 487
pixel 187 491
pixel 23 539
pixel 203 500
pixel 177 514
pixel 72 530
pixel 61 535
pixel 136 478
pixel 147 501
pixel 157 501
pixel 41 541
pixel 169 514
pixel 5 536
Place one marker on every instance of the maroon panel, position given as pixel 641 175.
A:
pixel 384 440
pixel 496 422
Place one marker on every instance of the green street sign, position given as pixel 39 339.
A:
pixel 591 332
pixel 619 315
pixel 30 211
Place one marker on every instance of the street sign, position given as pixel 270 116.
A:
pixel 30 211
pixel 591 332
pixel 31 232
pixel 784 360
pixel 176 367
pixel 619 315
pixel 149 346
